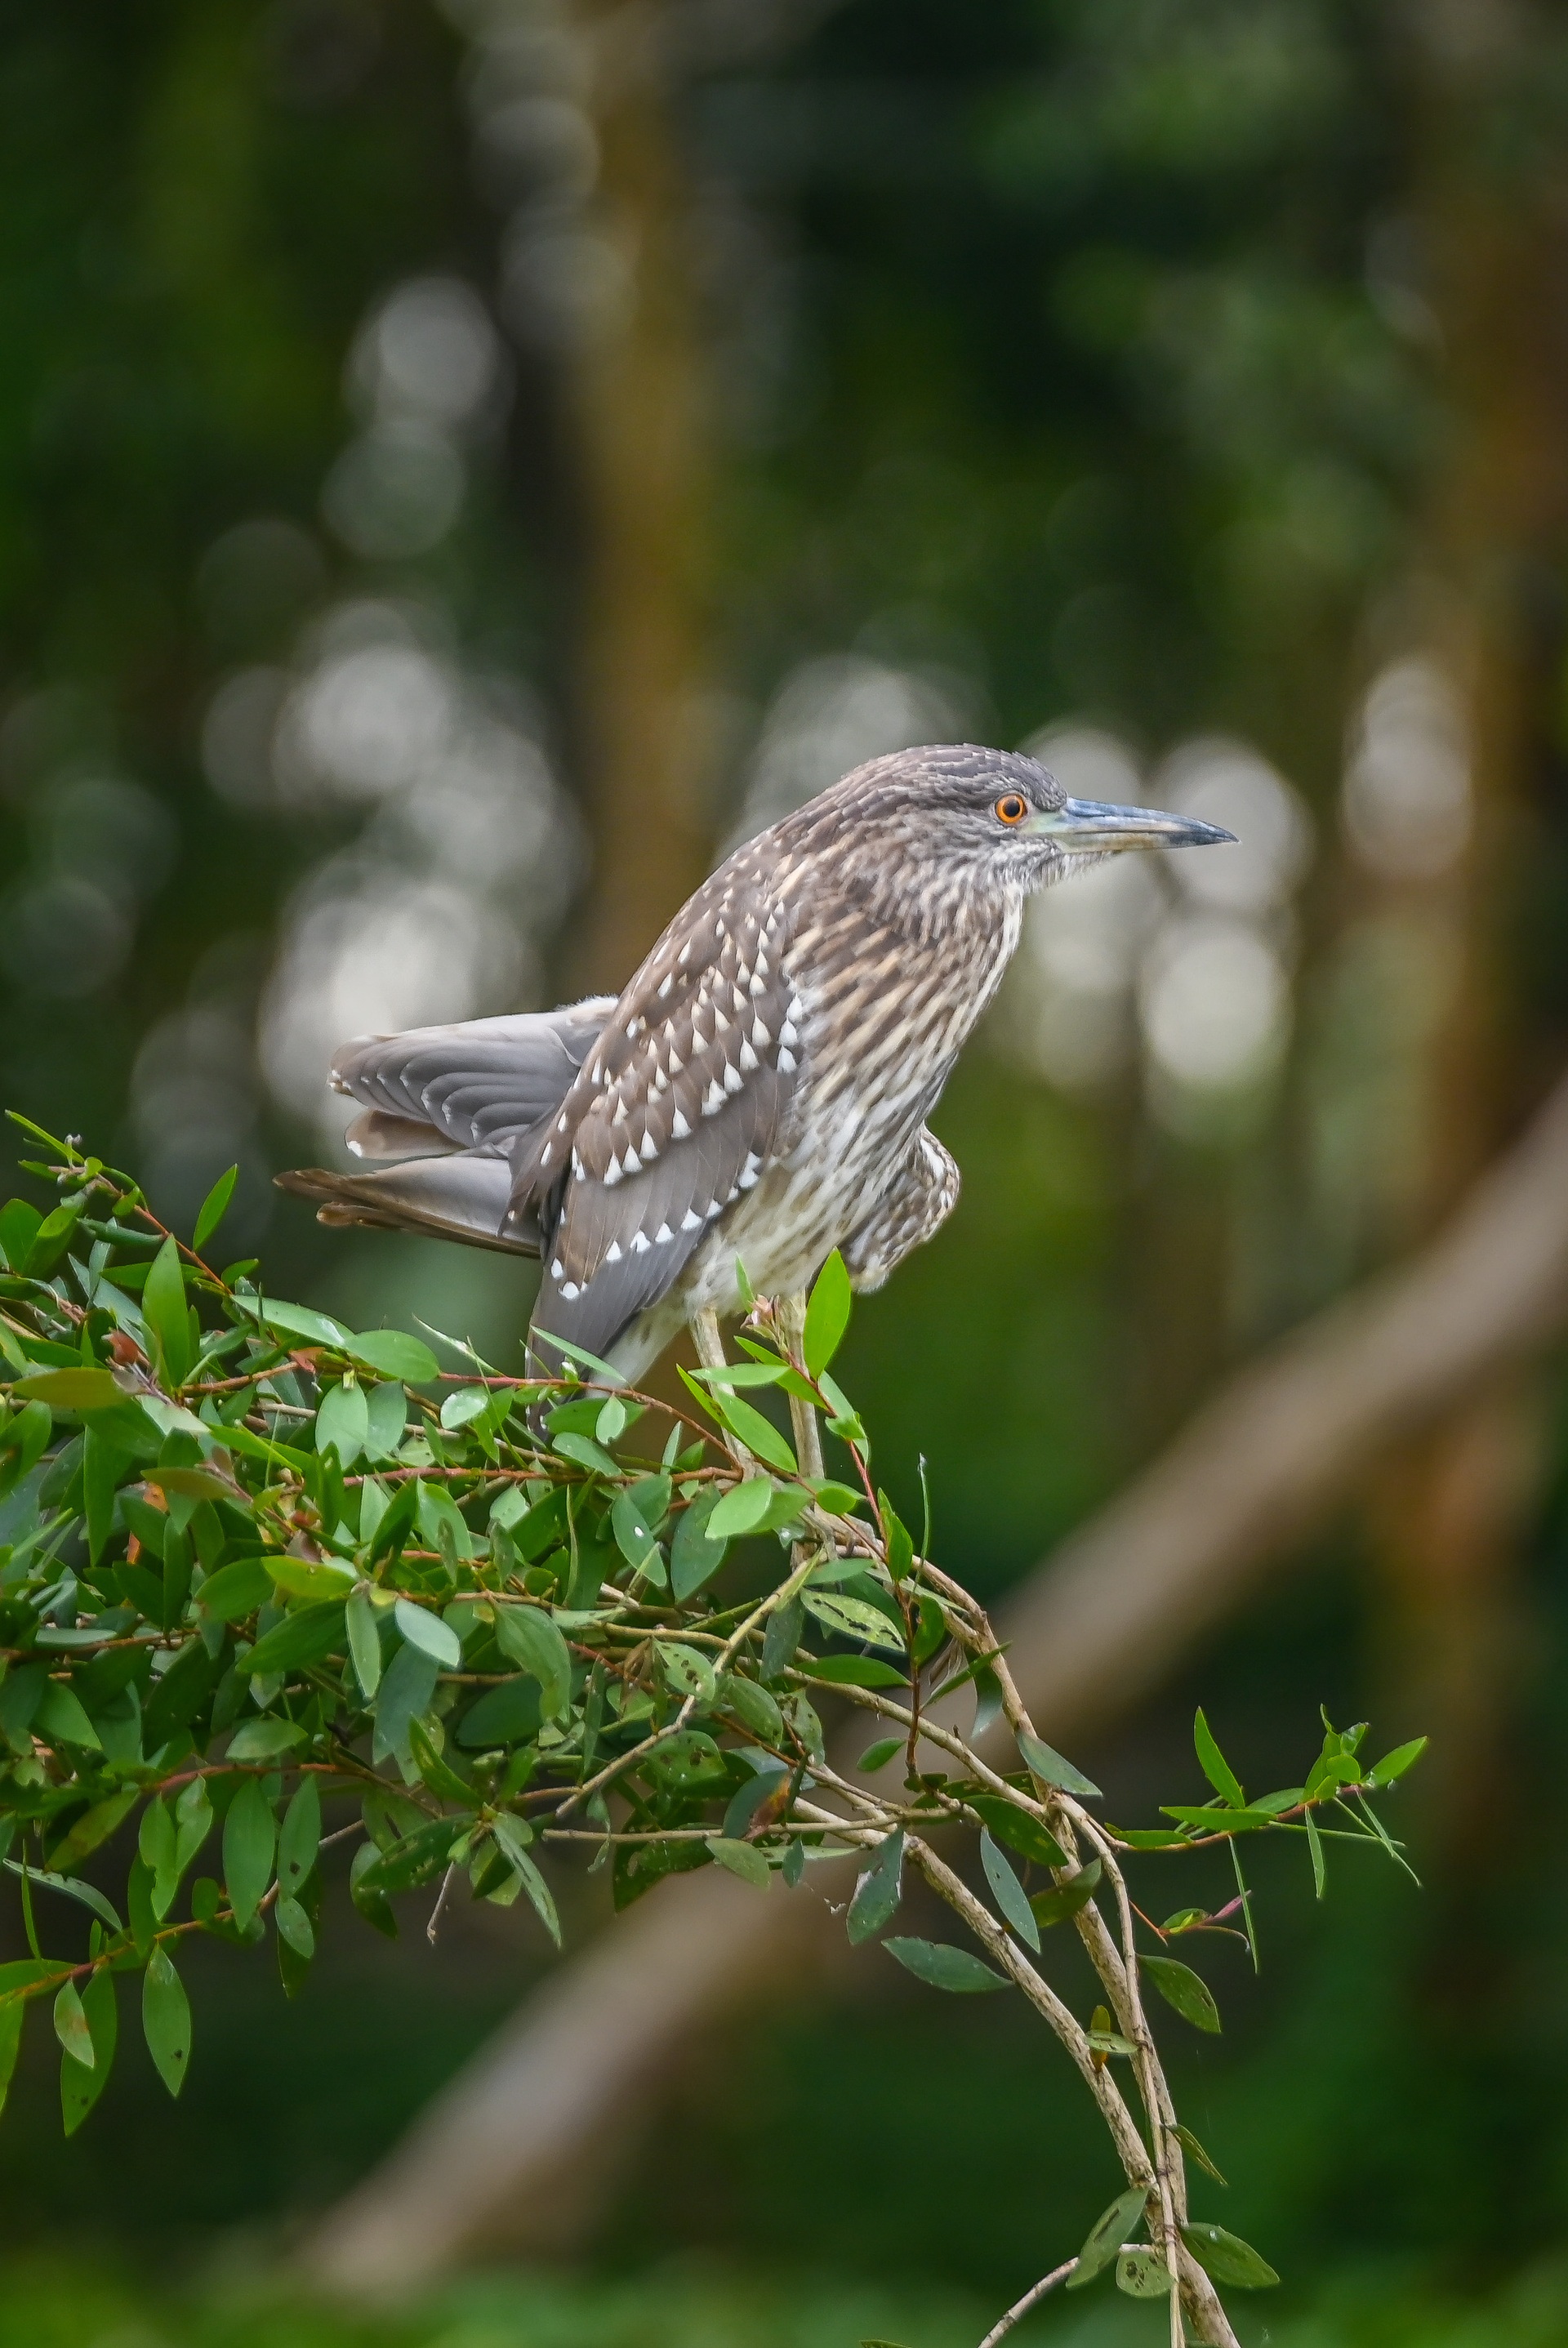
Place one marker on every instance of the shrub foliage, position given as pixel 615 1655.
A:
pixel 268 1583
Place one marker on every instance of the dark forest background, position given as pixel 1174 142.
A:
pixel 460 466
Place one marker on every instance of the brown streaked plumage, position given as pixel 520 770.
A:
pixel 760 1088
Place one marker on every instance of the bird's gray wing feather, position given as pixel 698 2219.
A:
pixel 679 1109
pixel 457 1196
pixel 474 1086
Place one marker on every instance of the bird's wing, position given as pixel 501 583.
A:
pixel 911 1210
pixel 475 1086
pixel 679 1109
pixel 449 1104
pixel 457 1195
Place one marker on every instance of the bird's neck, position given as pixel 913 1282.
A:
pixel 964 909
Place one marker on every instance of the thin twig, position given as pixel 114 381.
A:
pixel 1032 2297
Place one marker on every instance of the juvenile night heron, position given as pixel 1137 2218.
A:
pixel 760 1087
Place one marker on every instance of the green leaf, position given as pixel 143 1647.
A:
pixel 343 1421
pixel 82 2084
pixel 1194 2151
pixel 942 1965
pixel 417 1857
pixel 301 1577
pixel 303 1637
pixel 463 1405
pixel 747 1799
pixel 781 1638
pixel 604 1371
pixel 407 1687
pixel 235 1591
pixel 265 1740
pixel 742 1858
pixel 1215 1766
pixel 1227 2259
pixel 84 1389
pixel 634 1536
pixel 1018 1829
pixel 741 1510
pixel 584 1452
pixel 695 1554
pixel 387 1417
pixel 900 1541
pixel 827 1314
pixel 24 1439
pixel 71 2026
pixel 166 2019
pixel 852 1618
pixel 1394 1765
pixel 1143 2274
pixel 163 1309
pixel 94 1827
pixel 250 1838
pixel 1102 2243
pixel 13 2012
pixel 392 1354
pixel 426 1630
pixel 1008 1892
pixel 443 1524
pixel 879 1890
pixel 686 1670
pixel 752 1705
pixel 295 1926
pixel 1180 1987
pixel 297 1321
pixel 53 1236
pixel 853 1671
pixel 194 1482
pixel 877 1756
pixel 364 1642
pixel 1218 1822
pixel 1065 1899
pixel 214 1207
pixel 1319 1866
pixel 758 1433
pixel 437 1772
pixel 61 1719
pixel 1049 1765
pixel 509 1834
pixel 373 1905
pixel 87 1894
pixel 20 1224
pixel 299 1837
pixel 530 1638
pixel 102 1465
pixel 834 1499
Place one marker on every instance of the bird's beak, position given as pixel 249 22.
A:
pixel 1095 827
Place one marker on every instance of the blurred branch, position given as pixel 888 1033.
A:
pixel 517 2147
pixel 640 425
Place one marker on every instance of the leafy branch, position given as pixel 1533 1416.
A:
pixel 255 1564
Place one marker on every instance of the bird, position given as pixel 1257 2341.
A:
pixel 758 1094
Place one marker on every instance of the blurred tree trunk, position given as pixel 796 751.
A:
pixel 637 418
pixel 1449 1512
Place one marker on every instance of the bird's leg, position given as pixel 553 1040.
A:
pixel 710 1352
pixel 790 1313
pixel 705 1333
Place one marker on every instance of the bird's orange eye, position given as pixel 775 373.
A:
pixel 1011 808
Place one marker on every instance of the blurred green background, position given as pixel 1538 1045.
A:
pixel 460 466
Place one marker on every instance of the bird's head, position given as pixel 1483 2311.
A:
pixel 957 814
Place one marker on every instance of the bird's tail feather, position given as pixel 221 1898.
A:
pixel 456 1197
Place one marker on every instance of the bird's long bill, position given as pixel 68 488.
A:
pixel 1084 827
